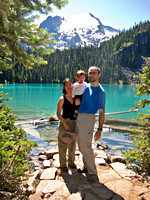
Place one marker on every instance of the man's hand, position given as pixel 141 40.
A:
pixel 97 135
pixel 77 102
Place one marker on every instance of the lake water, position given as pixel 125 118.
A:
pixel 34 101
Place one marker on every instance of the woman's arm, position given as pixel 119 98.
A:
pixel 59 108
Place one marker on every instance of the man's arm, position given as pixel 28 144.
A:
pixel 101 122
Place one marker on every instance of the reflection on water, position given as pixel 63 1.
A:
pixel 46 137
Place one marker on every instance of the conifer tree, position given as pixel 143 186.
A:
pixel 17 30
pixel 141 151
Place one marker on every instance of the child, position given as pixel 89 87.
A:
pixel 78 88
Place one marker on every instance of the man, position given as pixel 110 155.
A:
pixel 92 101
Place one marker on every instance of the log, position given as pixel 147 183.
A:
pixel 55 119
pixel 115 113
pixel 121 121
pixel 119 128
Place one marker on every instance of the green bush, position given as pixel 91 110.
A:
pixel 140 152
pixel 14 149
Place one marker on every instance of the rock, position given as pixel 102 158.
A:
pixel 52 119
pixel 118 159
pixel 36 164
pixel 41 185
pixel 61 193
pixel 48 174
pixel 101 144
pixel 117 197
pixel 56 160
pixel 52 186
pixel 113 183
pixel 5 195
pixel 30 190
pixel 102 191
pixel 108 158
pixel 50 154
pixel 122 170
pixel 100 161
pixel 46 164
pixel 118 166
pixel 108 176
pixel 42 157
pixel 121 187
pixel 75 196
pixel 47 196
pixel 34 197
pixel 34 179
pixel 90 196
pixel 146 196
pixel 100 154
pixel 140 190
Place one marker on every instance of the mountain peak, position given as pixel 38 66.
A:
pixel 79 29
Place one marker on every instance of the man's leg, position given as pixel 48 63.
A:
pixel 85 126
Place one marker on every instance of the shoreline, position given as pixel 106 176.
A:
pixel 45 134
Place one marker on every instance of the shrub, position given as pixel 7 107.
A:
pixel 141 149
pixel 14 149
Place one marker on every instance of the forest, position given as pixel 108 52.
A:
pixel 125 51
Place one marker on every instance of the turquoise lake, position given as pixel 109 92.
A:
pixel 34 101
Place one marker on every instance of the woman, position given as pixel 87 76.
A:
pixel 67 123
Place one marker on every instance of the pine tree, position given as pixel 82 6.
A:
pixel 141 150
pixel 17 29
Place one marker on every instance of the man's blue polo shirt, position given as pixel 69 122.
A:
pixel 93 99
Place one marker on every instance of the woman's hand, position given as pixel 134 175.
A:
pixel 66 127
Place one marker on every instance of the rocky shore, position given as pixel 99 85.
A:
pixel 116 181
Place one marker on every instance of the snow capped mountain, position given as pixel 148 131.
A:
pixel 80 29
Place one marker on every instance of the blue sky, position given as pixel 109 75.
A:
pixel 119 14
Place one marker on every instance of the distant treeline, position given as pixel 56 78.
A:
pixel 124 51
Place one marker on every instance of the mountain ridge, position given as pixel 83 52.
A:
pixel 77 30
